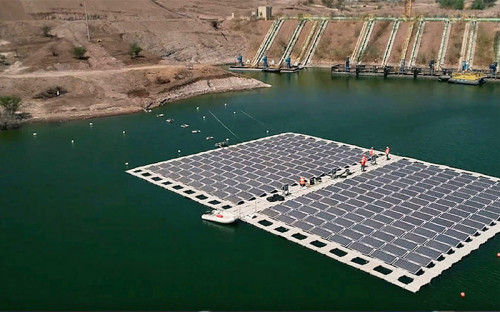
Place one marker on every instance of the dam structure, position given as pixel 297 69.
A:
pixel 401 43
pixel 403 220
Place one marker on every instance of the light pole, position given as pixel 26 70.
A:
pixel 86 20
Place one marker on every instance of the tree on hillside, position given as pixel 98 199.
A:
pixel 3 60
pixel 327 3
pixel 79 52
pixel 134 50
pixel 46 30
pixel 451 4
pixel 340 5
pixel 482 4
pixel 8 118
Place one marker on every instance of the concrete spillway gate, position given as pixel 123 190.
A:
pixel 403 220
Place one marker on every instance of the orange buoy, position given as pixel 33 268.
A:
pixel 498 254
pixel 462 294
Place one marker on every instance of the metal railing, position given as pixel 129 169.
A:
pixel 444 44
pixel 366 38
pixel 291 43
pixel 315 42
pixel 267 41
pixel 416 43
pixel 390 43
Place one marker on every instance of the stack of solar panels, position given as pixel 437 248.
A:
pixel 242 172
pixel 407 214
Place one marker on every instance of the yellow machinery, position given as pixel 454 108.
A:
pixel 468 78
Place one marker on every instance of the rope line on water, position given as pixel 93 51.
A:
pixel 224 125
pixel 252 117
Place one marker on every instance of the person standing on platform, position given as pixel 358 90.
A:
pixel 373 158
pixel 387 151
pixel 363 163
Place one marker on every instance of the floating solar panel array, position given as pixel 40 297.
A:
pixel 403 220
pixel 405 214
pixel 256 168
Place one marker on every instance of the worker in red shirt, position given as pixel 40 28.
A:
pixel 363 163
pixel 387 150
pixel 302 181
pixel 373 157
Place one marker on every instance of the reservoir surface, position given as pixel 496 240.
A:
pixel 79 233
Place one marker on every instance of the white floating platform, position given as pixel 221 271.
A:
pixel 403 220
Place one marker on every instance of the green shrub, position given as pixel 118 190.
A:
pixel 9 119
pixel 451 4
pixel 46 30
pixel 134 50
pixel 10 104
pixel 79 52
pixel 327 3
pixel 478 5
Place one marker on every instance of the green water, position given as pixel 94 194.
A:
pixel 78 233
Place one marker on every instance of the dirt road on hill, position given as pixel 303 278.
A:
pixel 81 73
pixel 94 93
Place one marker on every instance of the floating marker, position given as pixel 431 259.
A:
pixel 126 163
pixel 462 294
pixel 203 117
pixel 225 104
pixel 267 131
pixel 123 131
pixel 197 108
pixel 34 133
pixel 91 124
pixel 72 141
pixel 178 151
pixel 498 254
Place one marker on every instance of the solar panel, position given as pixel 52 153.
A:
pixel 429 252
pixel 418 239
pixel 394 250
pixel 370 241
pixel 450 241
pixel 297 214
pixel 285 219
pixel 340 240
pixel 333 227
pixel 410 267
pixel 302 225
pixel 444 248
pixel 373 224
pixel 384 256
pixel 320 232
pixel 361 248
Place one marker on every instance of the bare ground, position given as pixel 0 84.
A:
pixel 109 92
pixel 341 35
pixel 431 41
pixel 397 47
pixel 254 37
pixel 485 50
pixel 282 39
pixel 454 45
pixel 374 51
pixel 300 41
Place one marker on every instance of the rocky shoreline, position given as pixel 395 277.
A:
pixel 212 86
